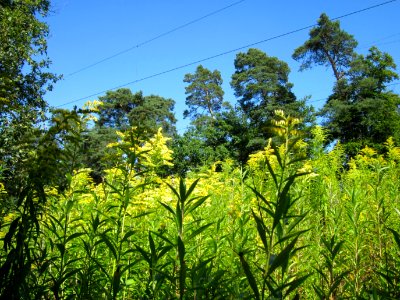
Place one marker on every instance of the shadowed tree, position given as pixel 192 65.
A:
pixel 261 83
pixel 122 109
pixel 361 112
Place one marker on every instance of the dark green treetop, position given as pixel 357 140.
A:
pixel 261 84
pixel 328 45
pixel 122 109
pixel 204 93
pixel 361 112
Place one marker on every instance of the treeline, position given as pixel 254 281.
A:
pixel 267 149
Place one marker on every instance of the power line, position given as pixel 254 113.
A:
pixel 155 38
pixel 222 54
pixel 326 98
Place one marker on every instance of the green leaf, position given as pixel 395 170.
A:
pixel 110 245
pixel 116 283
pixel 127 235
pixel 198 231
pixel 277 155
pixel 258 194
pixel 261 231
pixel 167 207
pixel 174 191
pixel 181 250
pixel 152 246
pixel 161 236
pixel 182 190
pixel 282 258
pixel 74 236
pixel 69 274
pixel 196 204
pixel 249 276
pixel 10 233
pixel 144 254
pixel 191 188
pixel 293 285
pixel 396 237
pixel 271 171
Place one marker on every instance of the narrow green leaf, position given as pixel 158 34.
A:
pixel 152 248
pixel 144 254
pixel 181 250
pixel 295 284
pixel 164 250
pixel 282 258
pixel 258 194
pixel 110 245
pixel 277 155
pixel 179 217
pixel 249 276
pixel 191 188
pixel 261 231
pixel 10 233
pixel 161 236
pixel 198 231
pixel 271 171
pixel 74 236
pixel 70 204
pixel 182 190
pixel 338 281
pixel 396 237
pixel 116 283
pixel 69 274
pixel 168 208
pixel 127 235
pixel 196 204
pixel 174 191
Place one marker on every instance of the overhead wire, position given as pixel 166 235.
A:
pixel 326 98
pixel 155 38
pixel 223 53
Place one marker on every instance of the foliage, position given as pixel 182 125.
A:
pixel 261 83
pixel 247 204
pixel 328 45
pixel 361 112
pixel 122 109
pixel 204 92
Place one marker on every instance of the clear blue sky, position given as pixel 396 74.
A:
pixel 83 32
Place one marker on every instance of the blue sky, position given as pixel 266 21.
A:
pixel 87 31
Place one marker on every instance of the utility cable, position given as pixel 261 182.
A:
pixel 324 99
pixel 155 38
pixel 222 54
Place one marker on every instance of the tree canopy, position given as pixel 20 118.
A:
pixel 204 93
pixel 122 109
pixel 361 111
pixel 328 45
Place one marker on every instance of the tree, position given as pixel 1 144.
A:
pixel 23 82
pixel 328 45
pixel 361 112
pixel 122 109
pixel 261 83
pixel 23 61
pixel 206 140
pixel 204 92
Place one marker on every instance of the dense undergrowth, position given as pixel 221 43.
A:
pixel 296 222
